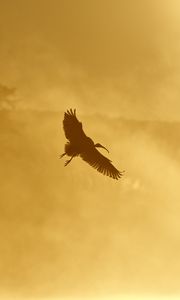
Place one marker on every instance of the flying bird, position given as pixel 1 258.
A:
pixel 81 145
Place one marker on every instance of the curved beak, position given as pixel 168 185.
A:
pixel 100 146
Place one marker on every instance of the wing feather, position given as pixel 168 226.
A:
pixel 101 163
pixel 72 127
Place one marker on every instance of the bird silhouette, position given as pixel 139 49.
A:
pixel 81 145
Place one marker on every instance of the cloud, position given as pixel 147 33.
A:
pixel 112 57
pixel 72 231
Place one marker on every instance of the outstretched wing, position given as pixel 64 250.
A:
pixel 72 127
pixel 102 164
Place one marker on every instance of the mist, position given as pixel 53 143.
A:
pixel 120 58
pixel 70 232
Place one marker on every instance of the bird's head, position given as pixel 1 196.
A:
pixel 100 146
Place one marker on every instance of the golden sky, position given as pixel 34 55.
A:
pixel 72 233
pixel 117 57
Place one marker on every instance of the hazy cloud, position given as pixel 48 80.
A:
pixel 115 57
pixel 71 231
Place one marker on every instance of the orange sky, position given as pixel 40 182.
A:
pixel 72 232
pixel 117 57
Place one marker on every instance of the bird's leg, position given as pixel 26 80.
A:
pixel 60 156
pixel 68 161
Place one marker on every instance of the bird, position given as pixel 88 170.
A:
pixel 79 144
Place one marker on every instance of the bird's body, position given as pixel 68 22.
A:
pixel 76 148
pixel 81 145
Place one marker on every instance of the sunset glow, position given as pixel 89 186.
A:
pixel 71 232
